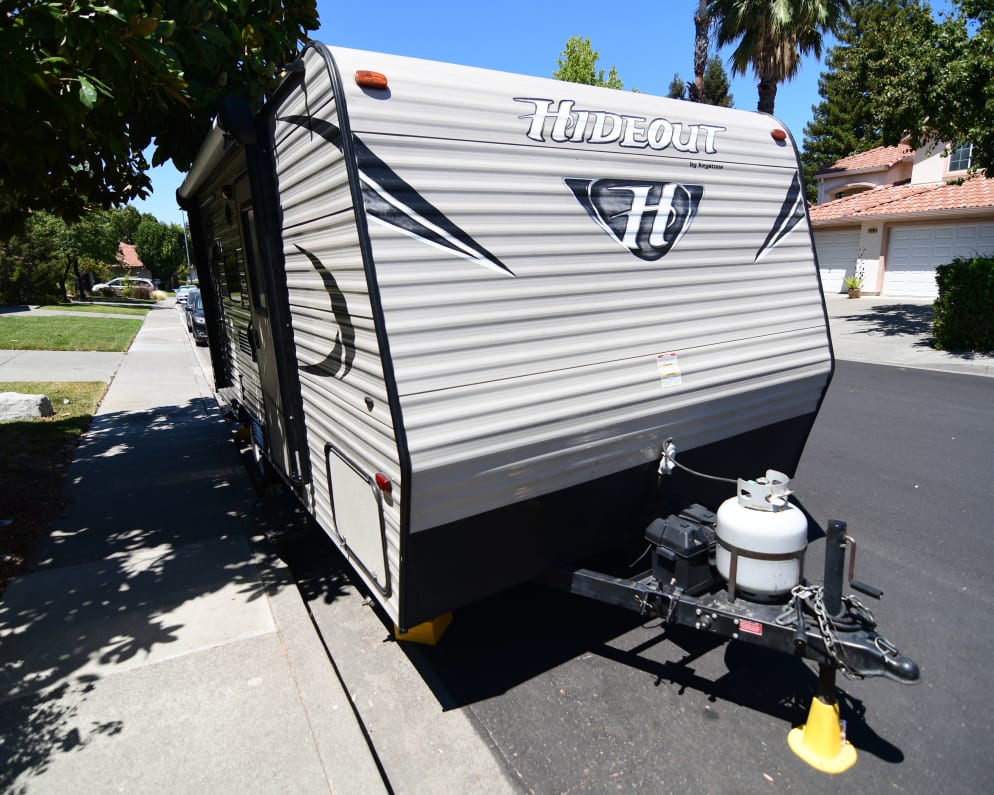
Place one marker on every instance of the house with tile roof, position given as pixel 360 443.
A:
pixel 895 213
pixel 129 263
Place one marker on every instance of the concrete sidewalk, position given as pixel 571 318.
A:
pixel 158 644
pixel 58 365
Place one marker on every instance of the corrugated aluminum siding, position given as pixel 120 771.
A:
pixel 516 386
pixel 344 399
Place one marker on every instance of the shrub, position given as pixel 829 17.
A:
pixel 107 292
pixel 964 310
pixel 27 276
pixel 141 292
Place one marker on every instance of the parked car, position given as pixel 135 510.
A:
pixel 183 292
pixel 199 327
pixel 123 284
pixel 192 302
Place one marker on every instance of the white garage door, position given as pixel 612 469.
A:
pixel 836 257
pixel 914 252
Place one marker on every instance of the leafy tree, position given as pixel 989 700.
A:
pixel 678 88
pixel 126 220
pixel 578 64
pixel 772 36
pixel 715 87
pixel 86 86
pixel 87 244
pixel 160 247
pixel 845 120
pixel 29 271
pixel 935 81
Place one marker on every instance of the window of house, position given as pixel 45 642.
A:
pixel 961 157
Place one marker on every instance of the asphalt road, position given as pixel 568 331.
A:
pixel 575 697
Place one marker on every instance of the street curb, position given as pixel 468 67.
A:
pixel 952 368
pixel 340 741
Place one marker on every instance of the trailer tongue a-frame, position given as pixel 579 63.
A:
pixel 474 319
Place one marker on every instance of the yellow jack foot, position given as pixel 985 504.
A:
pixel 427 633
pixel 819 742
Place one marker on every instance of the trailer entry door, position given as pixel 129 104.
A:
pixel 262 336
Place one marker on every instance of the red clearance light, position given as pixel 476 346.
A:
pixel 368 79
pixel 778 134
pixel 383 483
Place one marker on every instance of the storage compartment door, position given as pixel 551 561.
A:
pixel 357 509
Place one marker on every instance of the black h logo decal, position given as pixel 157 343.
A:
pixel 647 218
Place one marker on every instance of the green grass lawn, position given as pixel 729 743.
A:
pixel 54 333
pixel 99 309
pixel 32 454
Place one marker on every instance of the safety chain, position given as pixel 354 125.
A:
pixel 813 596
pixel 853 603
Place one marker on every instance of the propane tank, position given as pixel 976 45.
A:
pixel 765 534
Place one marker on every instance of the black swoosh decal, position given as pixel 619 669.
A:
pixel 791 213
pixel 390 199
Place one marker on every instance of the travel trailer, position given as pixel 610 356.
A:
pixel 486 325
pixel 463 310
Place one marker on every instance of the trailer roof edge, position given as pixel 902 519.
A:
pixel 210 154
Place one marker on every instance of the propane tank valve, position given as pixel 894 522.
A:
pixel 765 494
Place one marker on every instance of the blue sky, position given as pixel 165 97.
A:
pixel 647 42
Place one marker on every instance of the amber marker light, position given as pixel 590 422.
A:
pixel 778 134
pixel 367 79
pixel 383 483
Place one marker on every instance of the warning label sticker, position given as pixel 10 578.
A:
pixel 669 370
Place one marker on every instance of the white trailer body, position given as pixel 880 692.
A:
pixel 465 310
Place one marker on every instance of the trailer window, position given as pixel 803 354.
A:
pixel 225 264
pixel 255 280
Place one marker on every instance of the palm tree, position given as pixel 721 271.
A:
pixel 701 25
pixel 772 36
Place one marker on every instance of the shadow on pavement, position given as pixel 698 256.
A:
pixel 903 320
pixel 34 728
pixel 140 479
pixel 497 653
pixel 151 546
pixel 892 320
pixel 321 572
pixel 496 656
